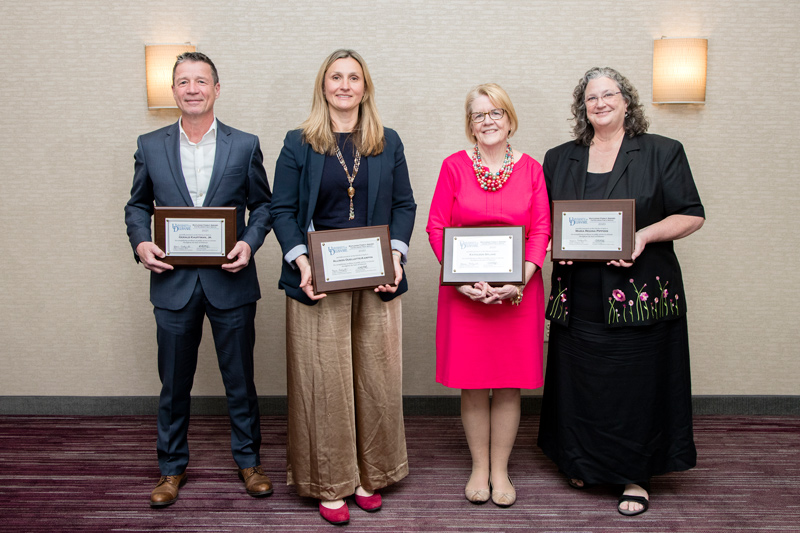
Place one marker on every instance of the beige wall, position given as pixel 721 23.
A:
pixel 76 319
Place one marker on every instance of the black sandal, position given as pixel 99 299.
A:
pixel 636 499
pixel 572 483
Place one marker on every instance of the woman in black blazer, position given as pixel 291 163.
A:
pixel 617 396
pixel 343 169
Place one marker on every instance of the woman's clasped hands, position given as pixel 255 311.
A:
pixel 485 293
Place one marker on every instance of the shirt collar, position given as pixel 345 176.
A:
pixel 212 130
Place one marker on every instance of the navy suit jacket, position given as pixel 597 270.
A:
pixel 238 179
pixel 298 174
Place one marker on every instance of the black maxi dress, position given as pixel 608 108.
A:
pixel 617 406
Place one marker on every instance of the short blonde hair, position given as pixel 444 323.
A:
pixel 368 132
pixel 499 97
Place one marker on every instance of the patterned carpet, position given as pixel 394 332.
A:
pixel 95 474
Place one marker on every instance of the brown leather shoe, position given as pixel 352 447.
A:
pixel 256 481
pixel 166 492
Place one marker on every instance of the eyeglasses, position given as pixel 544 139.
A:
pixel 494 114
pixel 594 100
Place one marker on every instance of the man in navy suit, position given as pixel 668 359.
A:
pixel 201 162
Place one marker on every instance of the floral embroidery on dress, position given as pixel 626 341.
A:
pixel 641 307
pixel 557 303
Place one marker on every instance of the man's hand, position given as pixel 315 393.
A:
pixel 241 251
pixel 149 255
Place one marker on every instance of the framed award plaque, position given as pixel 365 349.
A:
pixel 195 236
pixel 350 259
pixel 494 254
pixel 593 230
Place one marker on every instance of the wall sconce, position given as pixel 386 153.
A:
pixel 159 60
pixel 679 71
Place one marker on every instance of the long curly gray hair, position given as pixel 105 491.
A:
pixel 635 121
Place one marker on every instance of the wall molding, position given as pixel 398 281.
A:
pixel 413 405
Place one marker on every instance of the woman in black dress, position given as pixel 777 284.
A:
pixel 617 397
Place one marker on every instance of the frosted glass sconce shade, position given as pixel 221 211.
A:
pixel 679 71
pixel 159 60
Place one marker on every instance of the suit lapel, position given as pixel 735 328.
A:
pixel 627 152
pixel 220 160
pixel 316 162
pixel 172 145
pixel 374 183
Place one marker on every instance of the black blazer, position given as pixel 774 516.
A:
pixel 298 174
pixel 655 172
pixel 237 179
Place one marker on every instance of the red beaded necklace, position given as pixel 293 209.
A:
pixel 492 181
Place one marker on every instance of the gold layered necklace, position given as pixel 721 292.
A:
pixel 351 191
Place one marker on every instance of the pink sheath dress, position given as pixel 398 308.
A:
pixel 480 346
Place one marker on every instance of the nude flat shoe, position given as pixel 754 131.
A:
pixel 504 499
pixel 477 496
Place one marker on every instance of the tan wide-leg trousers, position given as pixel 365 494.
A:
pixel 345 392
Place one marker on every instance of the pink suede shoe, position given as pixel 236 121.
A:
pixel 369 503
pixel 336 517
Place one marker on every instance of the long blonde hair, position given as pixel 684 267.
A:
pixel 368 132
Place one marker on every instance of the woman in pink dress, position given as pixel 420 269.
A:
pixel 489 338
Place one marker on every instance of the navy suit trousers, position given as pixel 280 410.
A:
pixel 179 333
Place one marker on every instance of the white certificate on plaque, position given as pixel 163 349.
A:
pixel 593 231
pixel 352 259
pixel 197 237
pixel 491 254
